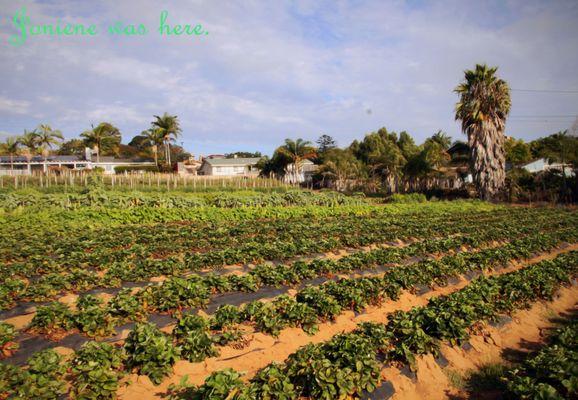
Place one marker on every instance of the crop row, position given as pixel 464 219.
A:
pixel 79 279
pixel 32 252
pixel 343 367
pixel 551 373
pixel 99 197
pixel 310 306
pixel 347 365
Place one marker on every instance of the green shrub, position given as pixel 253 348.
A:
pixel 407 198
pixel 135 168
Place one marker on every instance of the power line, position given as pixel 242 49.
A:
pixel 543 116
pixel 544 91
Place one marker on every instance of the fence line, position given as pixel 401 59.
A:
pixel 142 181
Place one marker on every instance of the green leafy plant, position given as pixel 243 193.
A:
pixel 7 336
pixel 193 336
pixel 150 352
pixel 96 369
pixel 52 318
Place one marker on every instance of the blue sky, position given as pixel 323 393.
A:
pixel 275 69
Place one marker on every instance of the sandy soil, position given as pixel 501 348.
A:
pixel 526 330
pixel 263 349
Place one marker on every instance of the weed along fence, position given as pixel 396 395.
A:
pixel 141 181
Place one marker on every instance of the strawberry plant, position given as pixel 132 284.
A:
pixel 125 306
pixel 43 378
pixel 225 315
pixel 222 385
pixel 150 352
pixel 272 383
pixel 7 336
pixel 96 369
pixel 192 335
pixel 52 318
pixel 11 379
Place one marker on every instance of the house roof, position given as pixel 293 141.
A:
pixel 232 161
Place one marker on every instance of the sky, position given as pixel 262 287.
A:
pixel 270 70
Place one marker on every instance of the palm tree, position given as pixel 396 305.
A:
pixel 11 146
pixel 154 140
pixel 297 151
pixel 30 141
pixel 483 107
pixel 168 128
pixel 102 135
pixel 441 138
pixel 46 137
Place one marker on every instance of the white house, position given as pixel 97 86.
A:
pixel 20 165
pixel 542 164
pixel 230 166
pixel 302 174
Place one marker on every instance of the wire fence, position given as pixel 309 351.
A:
pixel 144 181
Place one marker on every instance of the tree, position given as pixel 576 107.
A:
pixel 72 147
pixel 30 141
pixel 340 167
pixel 559 147
pixel 324 144
pixel 517 151
pixel 483 108
pixel 46 137
pixel 384 158
pixel 149 139
pixel 244 154
pixel 296 151
pixel 104 137
pixel 168 128
pixel 441 138
pixel 11 147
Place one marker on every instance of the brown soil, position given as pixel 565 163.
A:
pixel 526 331
pixel 264 349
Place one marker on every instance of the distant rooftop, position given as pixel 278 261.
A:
pixel 232 161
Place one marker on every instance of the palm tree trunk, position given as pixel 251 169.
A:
pixel 11 162
pixel 169 152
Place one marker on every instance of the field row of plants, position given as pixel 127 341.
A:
pixel 51 285
pixel 111 273
pixel 310 306
pixel 58 221
pixel 345 366
pixel 86 246
pixel 552 372
pixel 96 195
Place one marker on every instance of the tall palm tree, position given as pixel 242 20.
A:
pixel 483 108
pixel 11 146
pixel 104 134
pixel 30 142
pixel 168 127
pixel 297 151
pixel 46 137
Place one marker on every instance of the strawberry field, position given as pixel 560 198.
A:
pixel 278 295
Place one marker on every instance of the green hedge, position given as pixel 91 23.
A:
pixel 145 168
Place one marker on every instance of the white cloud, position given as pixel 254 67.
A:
pixel 14 106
